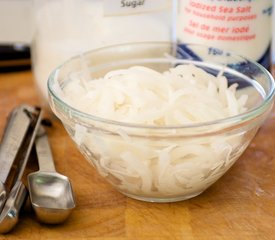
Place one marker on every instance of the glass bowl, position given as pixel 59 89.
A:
pixel 162 163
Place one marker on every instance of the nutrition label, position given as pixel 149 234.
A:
pixel 223 23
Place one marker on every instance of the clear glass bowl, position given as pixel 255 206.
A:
pixel 198 155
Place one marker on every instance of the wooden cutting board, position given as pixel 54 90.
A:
pixel 241 205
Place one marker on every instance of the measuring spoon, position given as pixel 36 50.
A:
pixel 10 213
pixel 14 134
pixel 50 193
pixel 18 193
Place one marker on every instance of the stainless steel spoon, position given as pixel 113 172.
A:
pixel 18 139
pixel 10 213
pixel 14 134
pixel 50 193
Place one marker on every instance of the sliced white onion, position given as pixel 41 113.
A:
pixel 167 167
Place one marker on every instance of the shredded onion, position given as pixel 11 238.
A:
pixel 184 94
pixel 168 167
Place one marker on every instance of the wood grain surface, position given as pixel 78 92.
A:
pixel 241 205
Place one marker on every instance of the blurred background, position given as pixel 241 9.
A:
pixel 15 21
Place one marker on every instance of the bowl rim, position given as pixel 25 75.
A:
pixel 233 120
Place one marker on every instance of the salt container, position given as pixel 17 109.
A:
pixel 241 26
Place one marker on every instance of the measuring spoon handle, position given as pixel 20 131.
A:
pixel 14 133
pixel 43 151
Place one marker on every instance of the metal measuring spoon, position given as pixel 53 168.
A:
pixel 14 134
pixel 10 213
pixel 24 121
pixel 50 193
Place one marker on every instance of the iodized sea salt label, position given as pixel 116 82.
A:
pixel 241 26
